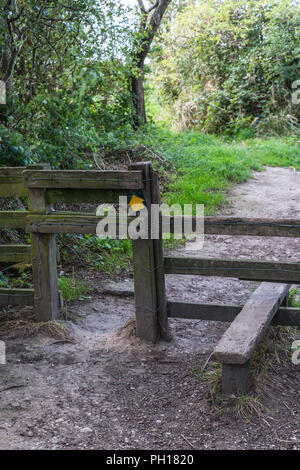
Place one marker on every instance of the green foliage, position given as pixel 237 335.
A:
pixel 294 298
pixel 20 278
pixel 73 289
pixel 110 256
pixel 223 63
pixel 4 280
pixel 207 165
pixel 68 96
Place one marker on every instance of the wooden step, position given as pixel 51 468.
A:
pixel 242 336
pixel 239 341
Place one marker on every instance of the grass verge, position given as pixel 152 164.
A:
pixel 207 165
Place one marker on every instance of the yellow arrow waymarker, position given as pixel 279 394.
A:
pixel 137 203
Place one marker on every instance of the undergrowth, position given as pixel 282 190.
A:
pixel 109 256
pixel 73 289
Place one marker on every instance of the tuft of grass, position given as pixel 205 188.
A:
pixel 29 327
pixel 273 352
pixel 294 298
pixel 244 406
pixel 247 406
pixel 73 289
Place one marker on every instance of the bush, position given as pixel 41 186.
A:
pixel 225 63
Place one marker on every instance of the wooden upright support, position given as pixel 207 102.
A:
pixel 149 279
pixel 164 331
pixel 44 269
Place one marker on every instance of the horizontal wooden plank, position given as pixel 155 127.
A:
pixel 197 311
pixel 15 171
pixel 16 296
pixel 78 179
pixel 12 182
pixel 15 253
pixel 97 196
pixel 285 316
pixel 248 328
pixel 239 226
pixel 13 187
pixel 13 219
pixel 254 270
pixel 70 222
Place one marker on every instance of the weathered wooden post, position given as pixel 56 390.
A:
pixel 44 268
pixel 149 279
pixel 163 326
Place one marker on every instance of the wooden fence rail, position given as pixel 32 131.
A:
pixel 238 226
pixel 12 185
pixel 254 270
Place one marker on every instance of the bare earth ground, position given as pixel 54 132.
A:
pixel 107 390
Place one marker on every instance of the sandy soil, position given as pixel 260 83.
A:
pixel 107 390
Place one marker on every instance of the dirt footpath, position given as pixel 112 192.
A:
pixel 107 390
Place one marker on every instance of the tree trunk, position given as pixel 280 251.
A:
pixel 138 95
pixel 150 21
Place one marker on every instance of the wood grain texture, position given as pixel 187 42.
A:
pixel 145 285
pixel 285 316
pixel 44 268
pixel 78 179
pixel 236 379
pixel 70 222
pixel 255 270
pixel 243 226
pixel 248 328
pixel 12 181
pixel 13 219
pixel 16 296
pixel 160 278
pixel 15 253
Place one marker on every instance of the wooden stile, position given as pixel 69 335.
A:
pixel 248 322
pixel 12 184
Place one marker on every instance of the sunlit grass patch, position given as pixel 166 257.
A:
pixel 73 289
pixel 208 165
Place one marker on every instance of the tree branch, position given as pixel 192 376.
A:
pixel 142 6
pixel 159 8
pixel 155 5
